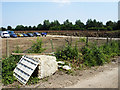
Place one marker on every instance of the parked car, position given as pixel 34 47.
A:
pixel 36 34
pixel 20 35
pixel 10 32
pixel 5 34
pixel 13 35
pixel 30 34
pixel 25 35
pixel 44 34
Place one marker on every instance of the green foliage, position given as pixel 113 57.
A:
pixel 8 65
pixel 37 46
pixel 97 28
pixel 82 39
pixel 17 50
pixel 94 55
pixel 91 55
pixel 33 80
pixel 67 53
pixel 112 48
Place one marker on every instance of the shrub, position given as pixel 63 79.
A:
pixel 8 65
pixel 67 53
pixel 93 56
pixel 37 47
pixel 82 39
pixel 111 49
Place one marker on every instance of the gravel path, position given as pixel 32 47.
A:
pixel 105 79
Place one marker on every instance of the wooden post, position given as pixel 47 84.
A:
pixel 87 41
pixel 51 44
pixel 107 40
pixel 110 39
pixel 7 48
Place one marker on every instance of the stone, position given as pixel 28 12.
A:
pixel 47 65
pixel 66 67
pixel 61 62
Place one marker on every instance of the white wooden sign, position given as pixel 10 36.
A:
pixel 24 69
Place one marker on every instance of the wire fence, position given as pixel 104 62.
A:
pixel 51 44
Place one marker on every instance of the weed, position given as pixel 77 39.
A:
pixel 33 80
pixel 37 46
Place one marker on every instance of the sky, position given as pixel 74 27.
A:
pixel 34 13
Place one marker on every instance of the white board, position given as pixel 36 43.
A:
pixel 24 69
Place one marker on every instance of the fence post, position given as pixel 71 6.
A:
pixel 110 39
pixel 51 44
pixel 87 41
pixel 7 47
pixel 107 40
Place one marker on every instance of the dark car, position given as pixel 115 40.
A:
pixel 44 34
pixel 13 35
pixel 30 34
pixel 25 35
pixel 36 34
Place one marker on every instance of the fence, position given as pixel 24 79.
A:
pixel 51 44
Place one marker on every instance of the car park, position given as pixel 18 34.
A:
pixel 36 34
pixel 44 34
pixel 30 34
pixel 25 35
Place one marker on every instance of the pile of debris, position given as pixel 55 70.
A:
pixel 45 65
pixel 62 65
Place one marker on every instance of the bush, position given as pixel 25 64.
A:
pixel 97 28
pixel 37 47
pixel 111 49
pixel 109 28
pixel 67 53
pixel 8 65
pixel 93 56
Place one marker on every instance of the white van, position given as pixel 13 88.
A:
pixel 5 34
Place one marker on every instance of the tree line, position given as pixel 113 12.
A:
pixel 67 25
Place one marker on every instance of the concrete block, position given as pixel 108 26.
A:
pixel 47 65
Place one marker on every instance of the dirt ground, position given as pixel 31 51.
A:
pixel 105 76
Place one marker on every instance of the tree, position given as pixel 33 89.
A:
pixel 54 23
pixel 89 23
pixel 25 28
pixel 94 24
pixel 19 27
pixel 109 23
pixel 3 29
pixel 118 24
pixel 9 28
pixel 30 28
pixel 34 27
pixel 79 23
pixel 39 27
pixel 46 25
pixel 67 25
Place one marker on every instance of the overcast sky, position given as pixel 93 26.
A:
pixel 34 13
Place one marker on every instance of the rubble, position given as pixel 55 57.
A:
pixel 47 65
